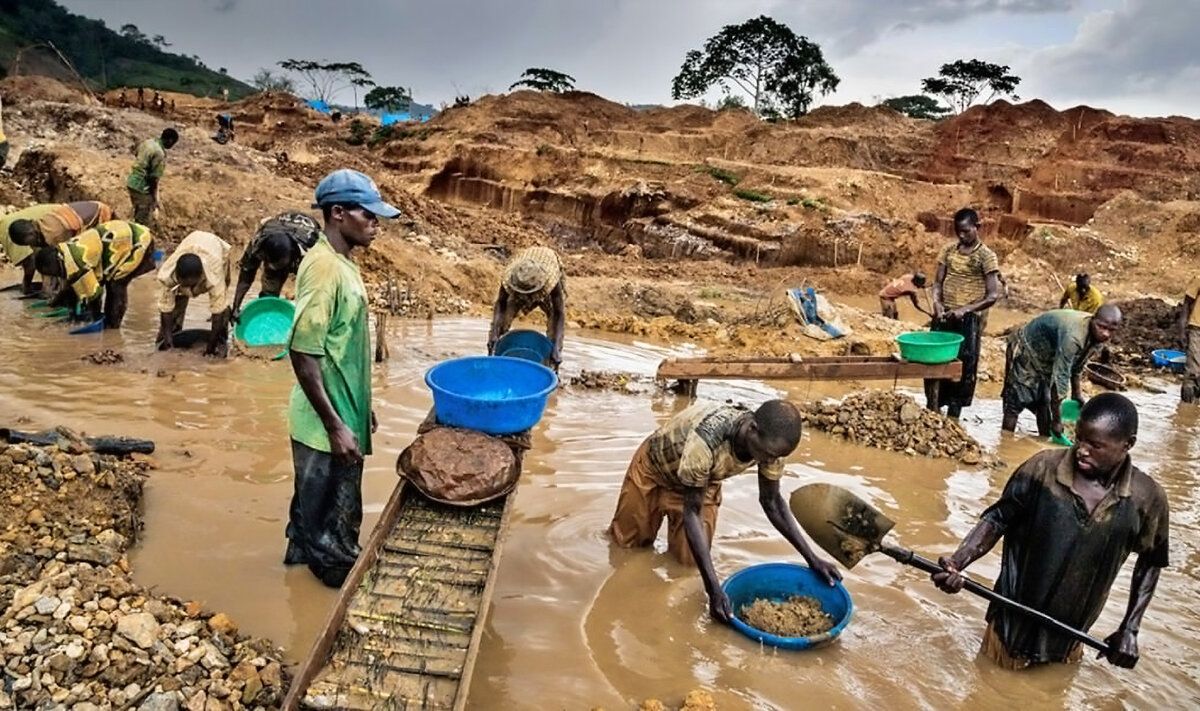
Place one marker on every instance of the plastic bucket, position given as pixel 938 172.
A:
pixel 929 346
pixel 1164 358
pixel 524 340
pixel 778 582
pixel 497 395
pixel 266 321
pixel 1069 410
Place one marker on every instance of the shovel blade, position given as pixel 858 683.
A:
pixel 844 525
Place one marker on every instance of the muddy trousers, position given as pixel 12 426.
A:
pixel 1191 378
pixel 993 648
pixel 143 208
pixel 325 514
pixel 643 503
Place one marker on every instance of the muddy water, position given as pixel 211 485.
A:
pixel 574 622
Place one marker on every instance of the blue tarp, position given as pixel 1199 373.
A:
pixel 389 119
pixel 318 105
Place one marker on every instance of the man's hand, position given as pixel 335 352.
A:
pixel 217 350
pixel 957 314
pixel 165 342
pixel 1056 428
pixel 828 571
pixel 236 316
pixel 492 346
pixel 719 606
pixel 555 360
pixel 1122 649
pixel 950 580
pixel 343 445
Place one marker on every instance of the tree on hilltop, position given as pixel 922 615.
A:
pixel 326 79
pixel 541 79
pixel 266 80
pixel 777 69
pixel 390 99
pixel 960 83
pixel 917 106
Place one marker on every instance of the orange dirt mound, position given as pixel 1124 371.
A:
pixel 20 89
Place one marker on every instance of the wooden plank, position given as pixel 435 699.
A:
pixel 824 368
pixel 317 656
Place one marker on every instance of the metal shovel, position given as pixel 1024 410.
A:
pixel 849 529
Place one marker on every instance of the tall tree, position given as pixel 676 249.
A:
pixel 390 99
pixel 266 80
pixel 541 79
pixel 917 106
pixel 325 79
pixel 960 83
pixel 360 82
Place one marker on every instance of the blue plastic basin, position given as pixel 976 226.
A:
pixel 1175 360
pixel 524 340
pixel 492 394
pixel 778 582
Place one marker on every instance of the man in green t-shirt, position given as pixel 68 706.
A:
pixel 147 170
pixel 329 416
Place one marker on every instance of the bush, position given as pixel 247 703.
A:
pixel 752 196
pixel 723 175
pixel 358 133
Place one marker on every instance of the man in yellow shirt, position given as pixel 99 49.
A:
pixel 1189 327
pixel 99 262
pixel 26 231
pixel 199 265
pixel 1081 295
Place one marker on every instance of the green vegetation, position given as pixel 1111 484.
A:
pixel 960 83
pixel 812 203
pixel 779 70
pixel 752 196
pixel 391 99
pixel 325 79
pixel 707 293
pixel 541 79
pixel 723 175
pixel 544 149
pixel 917 106
pixel 106 59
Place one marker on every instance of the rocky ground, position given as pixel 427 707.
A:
pixel 893 421
pixel 75 631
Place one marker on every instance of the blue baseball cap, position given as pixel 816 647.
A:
pixel 351 186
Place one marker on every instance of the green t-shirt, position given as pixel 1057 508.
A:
pixel 331 323
pixel 150 162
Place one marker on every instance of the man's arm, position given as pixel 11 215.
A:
pixel 1122 644
pixel 343 444
pixel 939 306
pixel 245 281
pixel 718 602
pixel 979 541
pixel 1062 303
pixel 917 304
pixel 781 518
pixel 218 337
pixel 557 323
pixel 498 319
pixel 27 277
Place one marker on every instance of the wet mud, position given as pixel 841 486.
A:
pixel 797 616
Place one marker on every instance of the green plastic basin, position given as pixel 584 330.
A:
pixel 266 321
pixel 1069 410
pixel 929 346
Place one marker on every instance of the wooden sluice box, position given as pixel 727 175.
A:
pixel 689 371
pixel 405 629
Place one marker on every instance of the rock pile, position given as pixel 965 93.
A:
pixel 894 421
pixel 104 357
pixel 630 383
pixel 75 631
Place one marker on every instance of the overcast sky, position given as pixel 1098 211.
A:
pixel 1131 56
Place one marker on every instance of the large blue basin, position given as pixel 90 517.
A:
pixel 777 582
pixel 492 394
pixel 524 343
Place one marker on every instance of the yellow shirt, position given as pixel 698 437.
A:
pixel 214 255
pixel 107 252
pixel 1193 293
pixel 1089 302
pixel 15 252
pixel 966 274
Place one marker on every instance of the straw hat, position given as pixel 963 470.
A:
pixel 526 276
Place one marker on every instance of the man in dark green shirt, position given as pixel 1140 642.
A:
pixel 329 416
pixel 1069 519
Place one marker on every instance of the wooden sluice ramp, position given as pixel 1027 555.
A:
pixel 406 627
pixel 691 370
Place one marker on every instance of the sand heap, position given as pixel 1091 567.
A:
pixel 75 631
pixel 894 421
pixel 1146 325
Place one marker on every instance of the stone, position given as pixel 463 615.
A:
pixel 243 672
pixel 27 596
pixel 220 689
pixel 212 657
pixel 191 628
pixel 74 650
pixel 111 539
pixel 161 610
pixel 19 455
pixel 83 464
pixel 222 624
pixel 166 701
pixel 197 702
pixel 140 628
pixel 79 623
pixel 910 412
pixel 35 518
pixel 108 604
pixel 252 689
pixel 87 553
pixel 63 609
pixel 272 674
pixel 47 604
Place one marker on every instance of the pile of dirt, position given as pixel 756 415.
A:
pixel 1146 325
pixel 104 357
pixel 798 616
pixel 893 421
pixel 18 90
pixel 75 630
pixel 696 700
pixel 629 383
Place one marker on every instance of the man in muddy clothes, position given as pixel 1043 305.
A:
pixel 966 286
pixel 329 416
pixel 1045 357
pixel 201 264
pixel 148 167
pixel 1069 518
pixel 532 280
pixel 910 285
pixel 50 225
pixel 100 262
pixel 278 247
pixel 678 471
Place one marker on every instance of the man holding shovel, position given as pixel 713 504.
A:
pixel 1069 519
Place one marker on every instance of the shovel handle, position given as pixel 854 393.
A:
pixel 907 557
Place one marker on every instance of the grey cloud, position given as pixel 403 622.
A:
pixel 221 5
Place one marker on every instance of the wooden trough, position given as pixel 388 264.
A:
pixel 689 371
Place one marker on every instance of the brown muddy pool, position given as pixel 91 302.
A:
pixel 576 623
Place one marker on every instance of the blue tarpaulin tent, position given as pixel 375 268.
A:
pixel 318 105
pixel 389 119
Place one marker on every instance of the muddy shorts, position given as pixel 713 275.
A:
pixel 643 503
pixel 325 514
pixel 993 648
pixel 888 308
pixel 143 208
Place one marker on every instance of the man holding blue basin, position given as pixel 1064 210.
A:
pixel 330 420
pixel 678 471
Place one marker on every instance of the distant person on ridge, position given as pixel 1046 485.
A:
pixel 277 248
pixel 965 287
pixel 1081 295
pixel 146 173
pixel 910 285
pixel 532 280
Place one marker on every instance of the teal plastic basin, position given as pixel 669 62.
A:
pixel 266 321
pixel 929 346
